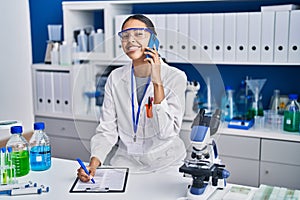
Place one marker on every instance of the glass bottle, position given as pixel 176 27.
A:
pixel 291 114
pixel 40 149
pixel 228 105
pixel 20 153
pixel 275 101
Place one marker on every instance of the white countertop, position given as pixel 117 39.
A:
pixel 163 185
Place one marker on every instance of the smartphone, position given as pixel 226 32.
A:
pixel 153 41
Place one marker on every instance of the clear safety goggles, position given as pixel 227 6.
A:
pixel 136 33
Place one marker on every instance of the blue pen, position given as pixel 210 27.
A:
pixel 85 169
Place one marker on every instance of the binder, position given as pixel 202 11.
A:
pixel 172 37
pixel 267 36
pixel 217 36
pixel 40 92
pixel 48 83
pixel 229 36
pixel 183 37
pixel 194 37
pixel 254 41
pixel 242 37
pixel 66 93
pixel 206 37
pixel 294 37
pixel 57 92
pixel 120 55
pixel 282 19
pixel 160 21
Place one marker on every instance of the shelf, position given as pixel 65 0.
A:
pixel 260 133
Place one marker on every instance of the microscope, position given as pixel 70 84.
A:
pixel 207 172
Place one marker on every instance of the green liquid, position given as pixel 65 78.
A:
pixel 21 161
pixel 291 121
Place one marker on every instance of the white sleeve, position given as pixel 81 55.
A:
pixel 106 133
pixel 169 113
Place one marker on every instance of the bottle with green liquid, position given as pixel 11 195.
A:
pixel 292 114
pixel 20 151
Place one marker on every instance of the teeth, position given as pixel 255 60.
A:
pixel 133 48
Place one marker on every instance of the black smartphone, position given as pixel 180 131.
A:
pixel 153 41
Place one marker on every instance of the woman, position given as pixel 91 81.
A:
pixel 145 86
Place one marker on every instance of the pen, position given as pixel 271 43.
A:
pixel 85 169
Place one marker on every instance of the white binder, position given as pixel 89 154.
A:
pixel 282 19
pixel 206 37
pixel 172 37
pixel 120 55
pixel 48 81
pixel 66 93
pixel 218 37
pixel 183 37
pixel 267 36
pixel 57 88
pixel 254 41
pixel 194 37
pixel 229 36
pixel 160 21
pixel 294 37
pixel 242 37
pixel 40 100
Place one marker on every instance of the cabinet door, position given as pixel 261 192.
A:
pixel 237 146
pixel 277 151
pixel 242 171
pixel 69 128
pixel 280 175
pixel 69 148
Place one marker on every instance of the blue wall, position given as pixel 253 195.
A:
pixel 284 78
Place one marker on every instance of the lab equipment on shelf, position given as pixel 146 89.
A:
pixel 243 100
pixel 228 104
pixel 275 101
pixel 20 151
pixel 256 86
pixel 40 148
pixel 205 167
pixel 98 41
pixel 65 54
pixel 292 114
pixel 191 104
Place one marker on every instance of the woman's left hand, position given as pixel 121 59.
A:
pixel 154 61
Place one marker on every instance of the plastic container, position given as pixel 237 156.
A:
pixel 292 114
pixel 275 101
pixel 65 54
pixel 20 151
pixel 243 101
pixel 54 32
pixel 55 54
pixel 40 148
pixel 82 40
pixel 99 41
pixel 228 105
pixel 91 41
pixel 75 49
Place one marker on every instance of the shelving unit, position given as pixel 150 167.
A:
pixel 70 132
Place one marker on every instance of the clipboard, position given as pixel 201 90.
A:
pixel 108 180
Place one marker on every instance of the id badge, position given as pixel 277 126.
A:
pixel 135 148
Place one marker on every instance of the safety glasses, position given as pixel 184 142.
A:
pixel 136 33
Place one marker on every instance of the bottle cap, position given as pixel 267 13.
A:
pixel 16 129
pixel 9 149
pixel 293 96
pixel 3 149
pixel 228 87
pixel 39 126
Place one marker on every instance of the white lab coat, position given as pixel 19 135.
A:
pixel 158 139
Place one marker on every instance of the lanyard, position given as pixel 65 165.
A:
pixel 135 120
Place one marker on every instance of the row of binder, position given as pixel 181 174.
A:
pixel 53 93
pixel 270 36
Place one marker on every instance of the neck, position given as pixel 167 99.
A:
pixel 142 69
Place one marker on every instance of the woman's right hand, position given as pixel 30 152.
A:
pixel 83 176
pixel 94 163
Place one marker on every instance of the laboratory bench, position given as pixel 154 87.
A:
pixel 166 184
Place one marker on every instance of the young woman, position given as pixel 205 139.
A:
pixel 143 108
